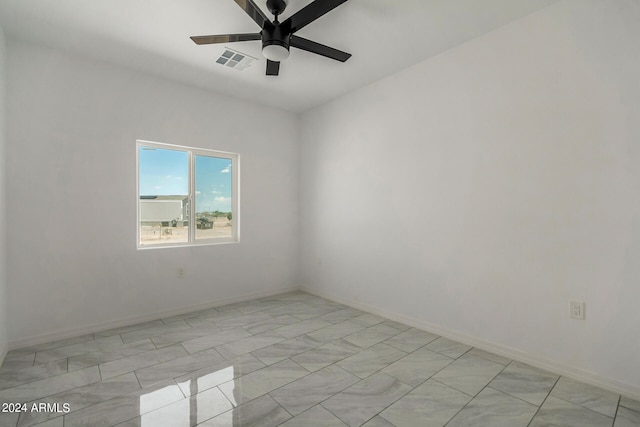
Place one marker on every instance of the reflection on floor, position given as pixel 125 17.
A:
pixel 292 360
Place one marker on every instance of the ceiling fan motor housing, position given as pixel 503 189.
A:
pixel 275 35
pixel 276 7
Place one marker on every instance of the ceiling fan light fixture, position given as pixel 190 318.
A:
pixel 275 52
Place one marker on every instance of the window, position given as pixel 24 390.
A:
pixel 186 196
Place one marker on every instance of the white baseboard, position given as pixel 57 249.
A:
pixel 97 327
pixel 628 390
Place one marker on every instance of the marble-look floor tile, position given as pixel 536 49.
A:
pixel 418 366
pixel 54 422
pixel 311 311
pixel 9 419
pixel 525 382
pixel 79 348
pixel 298 352
pixel 269 325
pixel 335 331
pixel 368 319
pixel 104 414
pixel 249 307
pixel 48 386
pixel 244 320
pixel 494 408
pixel 263 412
pixel 214 340
pixel 315 417
pixel 97 357
pixel 249 344
pixel 177 414
pixel 207 404
pixel 287 297
pixel 260 305
pixel 201 322
pixel 588 396
pixel 627 418
pixel 227 308
pixel 370 360
pixel 430 404
pixel 371 336
pixel 448 347
pixel 377 421
pixel 363 400
pixel 126 407
pixel 325 355
pixel 397 325
pixel 341 315
pixel 141 360
pixel 188 412
pixel 301 328
pixel 291 307
pixel 129 328
pixel 411 340
pixel 177 367
pixel 54 344
pixel 154 331
pixel 237 307
pixel 176 337
pixel 489 356
pixel 634 405
pixel 285 349
pixel 212 316
pixel 262 381
pixel 308 391
pixel 14 361
pixel 187 316
pixel 85 396
pixel 559 412
pixel 315 300
pixel 20 355
pixel 217 373
pixel 469 374
pixel 14 377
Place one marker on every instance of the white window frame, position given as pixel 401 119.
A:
pixel 235 195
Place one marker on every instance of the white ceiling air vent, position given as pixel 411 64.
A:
pixel 236 60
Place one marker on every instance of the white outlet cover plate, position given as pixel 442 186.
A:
pixel 576 310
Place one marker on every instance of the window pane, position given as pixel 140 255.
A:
pixel 213 182
pixel 164 200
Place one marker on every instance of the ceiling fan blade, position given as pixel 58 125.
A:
pixel 310 13
pixel 317 48
pixel 225 38
pixel 273 68
pixel 253 11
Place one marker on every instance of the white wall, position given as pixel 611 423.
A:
pixel 3 245
pixel 479 191
pixel 71 138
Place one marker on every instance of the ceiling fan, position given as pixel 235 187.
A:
pixel 278 37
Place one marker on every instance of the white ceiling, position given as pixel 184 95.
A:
pixel 384 36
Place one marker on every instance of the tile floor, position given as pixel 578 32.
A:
pixel 291 360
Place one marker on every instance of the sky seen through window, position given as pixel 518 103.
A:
pixel 165 172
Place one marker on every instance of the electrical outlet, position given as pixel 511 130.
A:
pixel 576 310
pixel 180 272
